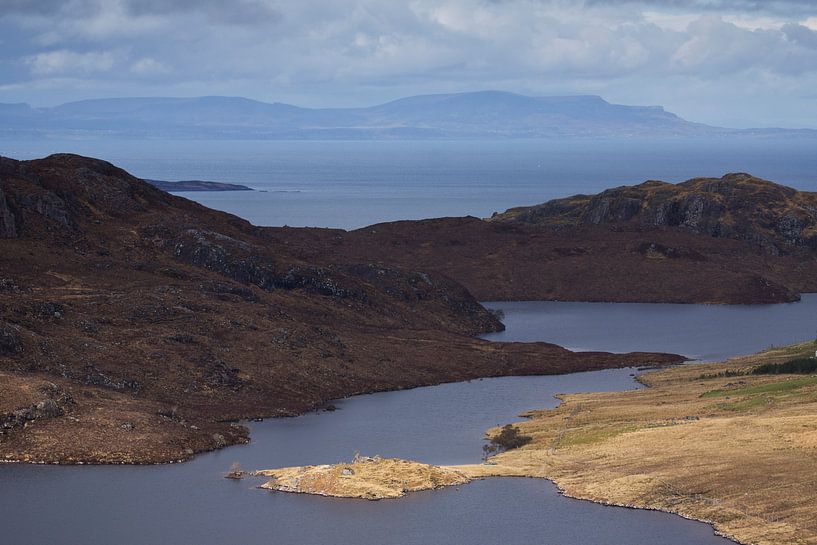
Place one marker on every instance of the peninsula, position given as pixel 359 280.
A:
pixel 136 325
pixel 196 185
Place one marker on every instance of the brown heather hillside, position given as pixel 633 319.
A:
pixel 737 239
pixel 134 324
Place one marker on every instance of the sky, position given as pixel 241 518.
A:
pixel 736 63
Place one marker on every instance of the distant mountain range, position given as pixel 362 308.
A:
pixel 483 114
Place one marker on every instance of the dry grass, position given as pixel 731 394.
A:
pixel 371 479
pixel 705 441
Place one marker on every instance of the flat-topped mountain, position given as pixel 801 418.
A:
pixel 135 324
pixel 740 206
pixel 482 114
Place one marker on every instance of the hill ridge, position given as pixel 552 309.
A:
pixel 477 114
pixel 778 218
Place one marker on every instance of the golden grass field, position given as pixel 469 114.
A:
pixel 708 442
pixel 372 479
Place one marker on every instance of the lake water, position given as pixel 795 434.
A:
pixel 353 184
pixel 700 332
pixel 192 504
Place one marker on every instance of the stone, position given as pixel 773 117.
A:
pixel 8 222
pixel 10 343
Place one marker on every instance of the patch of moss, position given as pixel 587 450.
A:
pixel 747 404
pixel 799 366
pixel 769 388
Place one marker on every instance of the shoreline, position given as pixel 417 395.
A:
pixel 654 473
pixel 319 408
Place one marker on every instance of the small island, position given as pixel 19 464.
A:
pixel 371 478
pixel 196 185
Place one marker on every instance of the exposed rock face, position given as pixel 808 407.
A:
pixel 777 218
pixel 64 191
pixel 8 224
pixel 51 407
pixel 10 343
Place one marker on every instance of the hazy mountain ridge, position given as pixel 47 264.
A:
pixel 482 114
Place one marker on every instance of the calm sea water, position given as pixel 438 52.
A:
pixel 353 184
pixel 192 504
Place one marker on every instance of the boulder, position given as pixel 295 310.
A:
pixel 10 342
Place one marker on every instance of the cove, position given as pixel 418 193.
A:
pixel 192 503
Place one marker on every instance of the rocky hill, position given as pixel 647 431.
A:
pixel 777 218
pixel 134 324
pixel 736 239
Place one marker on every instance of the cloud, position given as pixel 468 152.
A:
pixel 149 67
pixel 251 12
pixel 64 61
pixel 784 7
pixel 323 52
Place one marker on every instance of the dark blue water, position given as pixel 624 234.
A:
pixel 352 184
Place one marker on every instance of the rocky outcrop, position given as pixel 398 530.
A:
pixel 51 407
pixel 249 264
pixel 243 262
pixel 8 223
pixel 777 218
pixel 10 342
pixel 48 205
pixel 63 192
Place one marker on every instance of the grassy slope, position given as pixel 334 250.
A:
pixel 709 442
pixel 739 451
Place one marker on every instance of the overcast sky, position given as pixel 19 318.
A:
pixel 728 62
